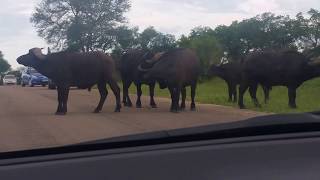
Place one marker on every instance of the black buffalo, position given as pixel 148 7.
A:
pixel 276 68
pixel 83 70
pixel 130 74
pixel 175 69
pixel 231 73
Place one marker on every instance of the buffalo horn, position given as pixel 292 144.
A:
pixel 315 61
pixel 155 58
pixel 142 69
pixel 37 52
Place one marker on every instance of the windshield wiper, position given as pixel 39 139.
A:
pixel 264 125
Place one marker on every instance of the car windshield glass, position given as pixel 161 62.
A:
pixel 33 71
pixel 92 70
pixel 9 77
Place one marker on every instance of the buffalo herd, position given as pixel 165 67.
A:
pixel 175 70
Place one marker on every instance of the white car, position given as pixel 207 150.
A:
pixel 9 79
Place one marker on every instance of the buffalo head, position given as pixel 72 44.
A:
pixel 31 59
pixel 215 70
pixel 154 58
pixel 149 61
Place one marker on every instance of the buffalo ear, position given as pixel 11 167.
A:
pixel 37 53
pixel 49 50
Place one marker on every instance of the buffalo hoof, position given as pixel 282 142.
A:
pixel 193 107
pixel 127 104
pixel 242 107
pixel 174 111
pixel 60 113
pixel 154 106
pixel 258 106
pixel 118 108
pixel 293 106
pixel 138 106
pixel 96 111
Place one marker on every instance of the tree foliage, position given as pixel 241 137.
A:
pixel 80 24
pixel 203 41
pixel 265 31
pixel 156 41
pixel 4 65
pixel 308 29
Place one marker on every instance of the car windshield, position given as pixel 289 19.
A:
pixel 33 71
pixel 9 77
pixel 113 68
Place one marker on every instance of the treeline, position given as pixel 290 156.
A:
pixel 101 25
pixel 4 65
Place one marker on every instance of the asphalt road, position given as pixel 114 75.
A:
pixel 27 119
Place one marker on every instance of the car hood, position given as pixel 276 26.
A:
pixel 39 75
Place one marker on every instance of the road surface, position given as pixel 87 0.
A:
pixel 27 119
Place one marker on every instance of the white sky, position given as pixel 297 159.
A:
pixel 177 17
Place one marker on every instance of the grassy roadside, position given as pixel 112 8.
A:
pixel 215 92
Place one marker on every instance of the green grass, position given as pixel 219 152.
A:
pixel 215 92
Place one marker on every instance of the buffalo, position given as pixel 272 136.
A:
pixel 231 73
pixel 130 74
pixel 83 70
pixel 276 68
pixel 176 69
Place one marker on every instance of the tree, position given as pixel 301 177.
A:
pixel 4 65
pixel 146 36
pixel 308 29
pixel 80 24
pixel 156 41
pixel 265 31
pixel 205 44
pixel 314 27
pixel 229 39
pixel 127 37
pixel 162 42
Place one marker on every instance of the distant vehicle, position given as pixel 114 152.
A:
pixel 31 77
pixel 9 79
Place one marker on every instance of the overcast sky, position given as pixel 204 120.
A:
pixel 177 17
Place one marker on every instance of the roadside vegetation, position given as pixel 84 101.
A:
pixel 214 91
pixel 101 25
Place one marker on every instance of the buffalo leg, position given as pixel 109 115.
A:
pixel 103 96
pixel 230 92
pixel 177 91
pixel 253 93
pixel 60 101
pixel 126 99
pixel 183 98
pixel 151 91
pixel 65 99
pixel 234 92
pixel 116 91
pixel 139 93
pixel 292 97
pixel 266 94
pixel 193 94
pixel 171 89
pixel 242 89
